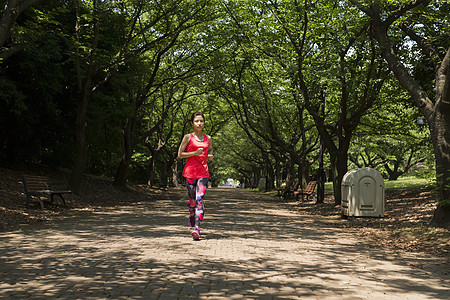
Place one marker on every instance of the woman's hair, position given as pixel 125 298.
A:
pixel 191 120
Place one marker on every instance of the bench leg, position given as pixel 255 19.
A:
pixel 307 196
pixel 41 202
pixel 60 195
pixel 27 203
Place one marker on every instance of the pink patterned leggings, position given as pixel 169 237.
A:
pixel 196 189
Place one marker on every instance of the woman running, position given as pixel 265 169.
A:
pixel 196 147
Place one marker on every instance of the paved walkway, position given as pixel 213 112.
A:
pixel 249 250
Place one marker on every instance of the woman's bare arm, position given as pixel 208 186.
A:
pixel 181 150
pixel 210 149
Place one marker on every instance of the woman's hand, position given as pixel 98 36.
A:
pixel 210 157
pixel 199 151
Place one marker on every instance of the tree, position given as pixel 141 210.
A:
pixel 236 157
pixel 138 28
pixel 94 64
pixel 271 120
pixel 35 102
pixel 334 65
pixel 262 99
pixel 176 54
pixel 11 9
pixel 425 24
pixel 389 137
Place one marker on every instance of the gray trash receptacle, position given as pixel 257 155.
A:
pixel 262 184
pixel 362 193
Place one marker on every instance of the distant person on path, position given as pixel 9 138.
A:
pixel 196 147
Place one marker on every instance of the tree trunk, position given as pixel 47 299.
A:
pixel 339 162
pixel 256 176
pixel 151 173
pixel 120 179
pixel 278 177
pixel 175 173
pixel 80 146
pixel 441 216
pixel 84 87
pixel 303 174
pixel 164 174
pixel 393 173
pixel 289 175
pixel 440 135
pixel 270 177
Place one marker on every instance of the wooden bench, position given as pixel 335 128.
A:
pixel 39 186
pixel 308 191
pixel 287 192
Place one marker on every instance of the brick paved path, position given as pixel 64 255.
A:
pixel 249 250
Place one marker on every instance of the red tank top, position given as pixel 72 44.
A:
pixel 196 166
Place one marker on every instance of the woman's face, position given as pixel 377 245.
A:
pixel 198 123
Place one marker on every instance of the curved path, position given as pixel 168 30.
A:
pixel 250 249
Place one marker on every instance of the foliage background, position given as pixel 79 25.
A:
pixel 154 63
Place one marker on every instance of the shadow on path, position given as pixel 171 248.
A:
pixel 250 249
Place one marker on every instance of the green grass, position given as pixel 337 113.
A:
pixel 401 183
pixel 406 183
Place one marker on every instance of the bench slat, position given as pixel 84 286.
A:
pixel 287 192
pixel 38 186
pixel 308 191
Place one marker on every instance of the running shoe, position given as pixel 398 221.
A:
pixel 196 234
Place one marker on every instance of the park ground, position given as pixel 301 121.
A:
pixel 135 245
pixel 405 226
